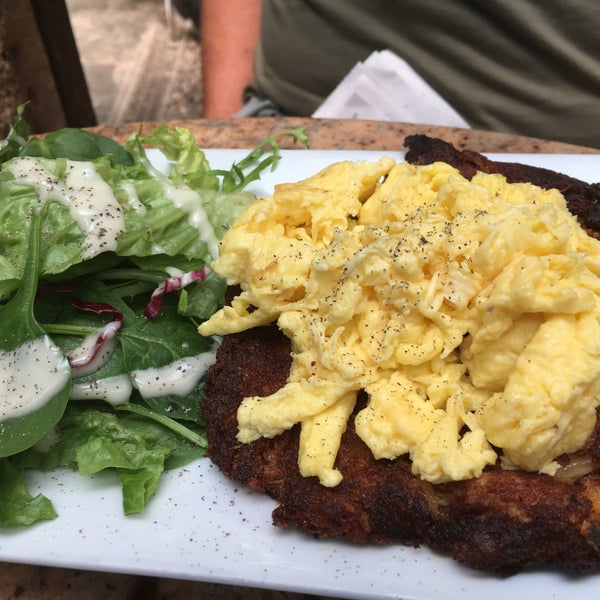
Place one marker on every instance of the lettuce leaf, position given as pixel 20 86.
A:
pixel 17 505
pixel 93 440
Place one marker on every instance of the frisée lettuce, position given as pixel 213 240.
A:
pixel 120 259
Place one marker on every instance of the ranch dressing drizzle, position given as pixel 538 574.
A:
pixel 114 390
pixel 91 201
pixel 178 378
pixel 191 202
pixel 30 376
pixel 133 199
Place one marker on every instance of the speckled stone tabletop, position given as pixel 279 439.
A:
pixel 343 134
pixel 29 582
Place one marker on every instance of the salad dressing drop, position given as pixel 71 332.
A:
pixel 189 201
pixel 21 391
pixel 94 208
pixel 114 390
pixel 178 378
pixel 32 172
pixel 133 199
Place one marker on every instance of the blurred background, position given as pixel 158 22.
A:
pixel 86 62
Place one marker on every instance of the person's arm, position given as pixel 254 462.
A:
pixel 229 35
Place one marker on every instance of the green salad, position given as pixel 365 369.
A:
pixel 104 278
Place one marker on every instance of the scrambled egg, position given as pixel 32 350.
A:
pixel 468 311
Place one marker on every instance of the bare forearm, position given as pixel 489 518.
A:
pixel 230 30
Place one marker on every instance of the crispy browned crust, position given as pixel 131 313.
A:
pixel 502 521
pixel 583 199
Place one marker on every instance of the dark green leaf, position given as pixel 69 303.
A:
pixel 77 144
pixel 18 327
pixel 154 343
pixel 17 505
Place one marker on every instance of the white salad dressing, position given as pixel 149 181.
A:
pixel 178 378
pixel 91 201
pixel 31 375
pixel 94 208
pixel 133 199
pixel 114 390
pixel 29 170
pixel 189 201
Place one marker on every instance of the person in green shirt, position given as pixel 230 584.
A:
pixel 529 67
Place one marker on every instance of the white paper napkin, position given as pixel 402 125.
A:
pixel 386 88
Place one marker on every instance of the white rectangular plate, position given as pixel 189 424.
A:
pixel 200 526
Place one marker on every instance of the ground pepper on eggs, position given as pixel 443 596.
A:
pixel 468 311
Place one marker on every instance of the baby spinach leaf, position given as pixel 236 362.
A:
pixel 21 336
pixel 155 343
pixel 77 144
pixel 181 408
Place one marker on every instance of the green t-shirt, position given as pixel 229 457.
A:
pixel 524 66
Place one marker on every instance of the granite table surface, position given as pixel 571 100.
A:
pixel 29 582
